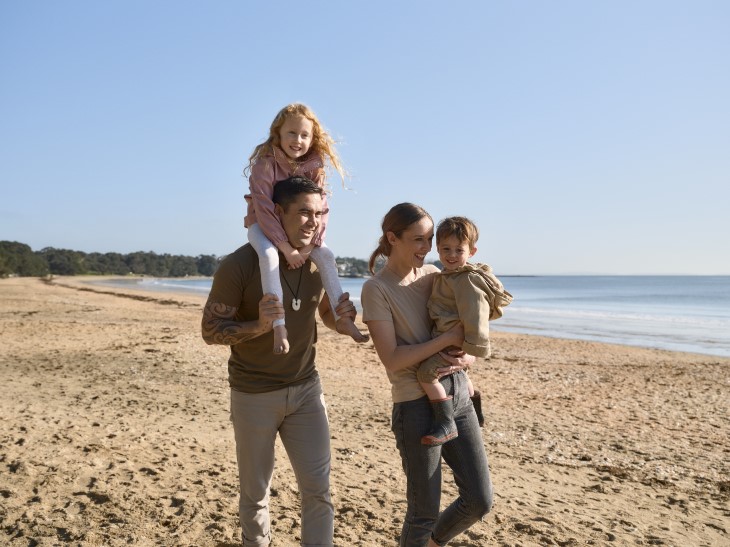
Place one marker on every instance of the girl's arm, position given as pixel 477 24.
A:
pixel 395 357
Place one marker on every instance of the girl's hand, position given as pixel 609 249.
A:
pixel 305 251
pixel 294 259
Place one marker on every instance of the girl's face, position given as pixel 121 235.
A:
pixel 414 243
pixel 453 253
pixel 295 136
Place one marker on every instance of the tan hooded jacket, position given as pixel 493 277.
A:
pixel 473 296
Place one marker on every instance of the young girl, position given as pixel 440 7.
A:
pixel 297 145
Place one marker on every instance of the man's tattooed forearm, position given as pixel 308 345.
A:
pixel 219 327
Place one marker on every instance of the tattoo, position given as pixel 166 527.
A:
pixel 220 327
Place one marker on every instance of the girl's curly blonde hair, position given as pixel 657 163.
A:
pixel 322 143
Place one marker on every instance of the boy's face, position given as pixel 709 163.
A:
pixel 296 136
pixel 454 253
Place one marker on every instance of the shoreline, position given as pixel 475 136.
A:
pixel 509 324
pixel 116 432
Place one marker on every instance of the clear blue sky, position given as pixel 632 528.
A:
pixel 582 137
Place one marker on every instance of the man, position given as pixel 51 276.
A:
pixel 277 393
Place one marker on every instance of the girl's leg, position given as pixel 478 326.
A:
pixel 270 281
pixel 325 261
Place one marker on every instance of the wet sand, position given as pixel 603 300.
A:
pixel 115 431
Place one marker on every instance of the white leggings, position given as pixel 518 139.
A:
pixel 322 257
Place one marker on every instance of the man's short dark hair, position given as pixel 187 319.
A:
pixel 287 190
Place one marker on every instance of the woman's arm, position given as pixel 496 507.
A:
pixel 395 357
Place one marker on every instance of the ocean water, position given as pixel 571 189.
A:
pixel 679 313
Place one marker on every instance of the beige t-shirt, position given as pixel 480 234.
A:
pixel 385 299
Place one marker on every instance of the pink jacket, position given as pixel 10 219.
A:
pixel 265 173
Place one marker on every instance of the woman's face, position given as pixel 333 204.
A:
pixel 414 243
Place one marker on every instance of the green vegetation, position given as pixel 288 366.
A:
pixel 18 259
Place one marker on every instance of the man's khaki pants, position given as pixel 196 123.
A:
pixel 299 415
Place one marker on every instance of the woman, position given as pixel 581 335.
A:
pixel 394 309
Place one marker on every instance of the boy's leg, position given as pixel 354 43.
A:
pixel 443 427
pixel 476 401
pixel 306 438
pixel 469 384
pixel 434 392
pixel 255 419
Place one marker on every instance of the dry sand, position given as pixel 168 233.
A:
pixel 115 431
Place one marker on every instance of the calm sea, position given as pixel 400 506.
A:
pixel 681 313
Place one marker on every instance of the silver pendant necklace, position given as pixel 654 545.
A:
pixel 296 302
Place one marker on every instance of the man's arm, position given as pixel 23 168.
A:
pixel 345 308
pixel 219 327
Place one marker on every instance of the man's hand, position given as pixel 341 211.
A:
pixel 270 309
pixel 345 307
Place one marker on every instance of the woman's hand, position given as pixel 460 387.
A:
pixel 454 336
pixel 458 360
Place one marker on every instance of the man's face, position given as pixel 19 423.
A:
pixel 301 219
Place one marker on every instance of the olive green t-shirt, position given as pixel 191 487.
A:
pixel 253 367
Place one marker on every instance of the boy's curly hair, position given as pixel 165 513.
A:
pixel 461 228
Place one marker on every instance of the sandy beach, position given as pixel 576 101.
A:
pixel 115 432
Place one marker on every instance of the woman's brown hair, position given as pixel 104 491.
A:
pixel 397 220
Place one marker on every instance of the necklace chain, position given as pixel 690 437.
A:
pixel 296 302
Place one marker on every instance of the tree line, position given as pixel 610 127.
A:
pixel 18 259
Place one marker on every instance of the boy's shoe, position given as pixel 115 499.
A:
pixel 476 400
pixel 443 428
